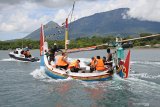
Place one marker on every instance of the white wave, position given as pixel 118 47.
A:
pixel 40 75
pixel 144 75
pixel 11 59
pixel 146 62
pixel 143 85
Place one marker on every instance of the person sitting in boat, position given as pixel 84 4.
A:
pixel 62 62
pixel 120 67
pixel 74 66
pixel 92 64
pixel 109 58
pixel 52 52
pixel 99 64
pixel 29 54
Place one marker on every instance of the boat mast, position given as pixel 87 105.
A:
pixel 66 35
pixel 66 27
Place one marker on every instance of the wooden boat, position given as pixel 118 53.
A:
pixel 57 73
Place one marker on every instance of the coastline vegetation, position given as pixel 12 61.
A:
pixel 80 42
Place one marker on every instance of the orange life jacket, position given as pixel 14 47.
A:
pixel 73 64
pixel 61 62
pixel 100 65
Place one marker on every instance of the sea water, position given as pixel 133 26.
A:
pixel 24 84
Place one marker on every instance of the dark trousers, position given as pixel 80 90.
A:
pixel 74 69
pixel 62 67
pixel 92 69
pixel 52 57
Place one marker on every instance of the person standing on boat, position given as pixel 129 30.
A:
pixel 99 64
pixel 109 58
pixel 62 62
pixel 74 66
pixel 52 52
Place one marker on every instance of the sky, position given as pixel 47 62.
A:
pixel 18 18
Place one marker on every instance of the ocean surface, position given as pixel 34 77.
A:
pixel 23 84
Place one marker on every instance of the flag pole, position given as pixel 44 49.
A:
pixel 66 35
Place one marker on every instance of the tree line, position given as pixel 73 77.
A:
pixel 77 43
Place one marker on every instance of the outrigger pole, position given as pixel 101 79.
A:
pixel 121 41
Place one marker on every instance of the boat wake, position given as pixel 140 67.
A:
pixel 146 62
pixel 40 75
pixel 145 75
pixel 12 60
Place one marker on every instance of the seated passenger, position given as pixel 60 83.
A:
pixel 74 66
pixel 29 54
pixel 120 65
pixel 62 62
pixel 25 54
pixel 92 64
pixel 99 64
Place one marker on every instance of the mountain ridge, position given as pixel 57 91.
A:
pixel 114 22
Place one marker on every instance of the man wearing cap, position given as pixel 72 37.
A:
pixel 53 50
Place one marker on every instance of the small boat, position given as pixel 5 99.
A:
pixel 57 73
pixel 17 54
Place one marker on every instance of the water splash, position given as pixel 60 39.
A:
pixel 144 75
pixel 14 60
pixel 146 62
pixel 40 75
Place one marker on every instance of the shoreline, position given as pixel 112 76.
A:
pixel 136 47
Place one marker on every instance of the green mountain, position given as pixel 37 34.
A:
pixel 114 22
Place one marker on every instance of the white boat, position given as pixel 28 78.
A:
pixel 17 54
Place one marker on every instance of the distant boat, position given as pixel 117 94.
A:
pixel 18 55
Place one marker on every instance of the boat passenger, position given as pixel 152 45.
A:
pixel 62 62
pixel 29 54
pixel 74 66
pixel 25 54
pixel 47 53
pixel 109 58
pixel 99 64
pixel 53 50
pixel 120 67
pixel 92 64
pixel 104 60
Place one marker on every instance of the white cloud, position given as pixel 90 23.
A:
pixel 26 16
pixel 146 10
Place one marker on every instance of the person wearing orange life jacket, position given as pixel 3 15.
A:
pixel 92 64
pixel 100 64
pixel 74 66
pixel 62 62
